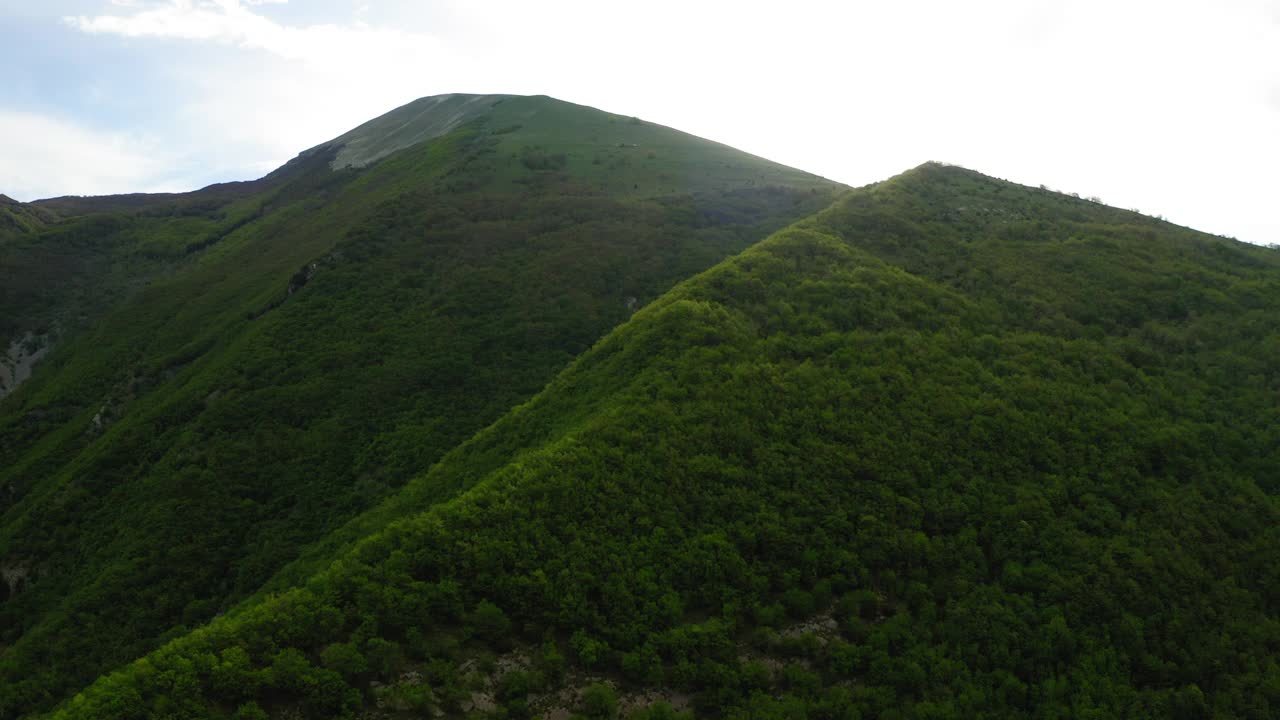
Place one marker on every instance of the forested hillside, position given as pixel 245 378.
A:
pixel 242 370
pixel 951 448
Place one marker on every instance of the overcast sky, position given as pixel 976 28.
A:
pixel 1169 107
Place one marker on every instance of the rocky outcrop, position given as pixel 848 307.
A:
pixel 15 575
pixel 19 359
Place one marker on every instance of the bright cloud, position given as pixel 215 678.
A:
pixel 235 22
pixel 1169 106
pixel 45 156
pixel 287 87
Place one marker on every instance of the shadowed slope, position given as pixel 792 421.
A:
pixel 324 341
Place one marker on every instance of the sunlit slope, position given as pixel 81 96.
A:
pixel 627 155
pixel 20 218
pixel 292 366
pixel 952 448
pixel 412 124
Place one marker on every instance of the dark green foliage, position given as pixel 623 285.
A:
pixel 1064 512
pixel 296 357
pixel 658 711
pixel 489 621
pixel 537 158
pixel 599 702
pixel 951 448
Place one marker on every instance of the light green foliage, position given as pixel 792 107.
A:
pixel 618 155
pixel 250 711
pixel 18 219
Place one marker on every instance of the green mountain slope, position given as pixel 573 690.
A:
pixel 68 273
pixel 326 338
pixel 951 448
pixel 77 258
pixel 412 124
pixel 20 218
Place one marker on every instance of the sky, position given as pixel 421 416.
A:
pixel 1169 107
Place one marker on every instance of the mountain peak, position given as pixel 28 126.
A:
pixel 415 122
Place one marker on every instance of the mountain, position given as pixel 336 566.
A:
pixel 20 218
pixel 231 375
pixel 412 124
pixel 499 406
pixel 950 447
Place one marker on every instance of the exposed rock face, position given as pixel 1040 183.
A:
pixel 14 575
pixel 17 361
pixel 417 122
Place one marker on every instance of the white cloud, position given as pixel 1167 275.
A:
pixel 46 156
pixel 296 87
pixel 1148 104
pixel 235 22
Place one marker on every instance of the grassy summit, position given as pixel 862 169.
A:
pixel 238 372
pixel 949 448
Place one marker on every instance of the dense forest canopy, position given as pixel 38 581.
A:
pixel 237 373
pixel 516 429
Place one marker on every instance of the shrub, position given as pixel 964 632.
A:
pixel 599 702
